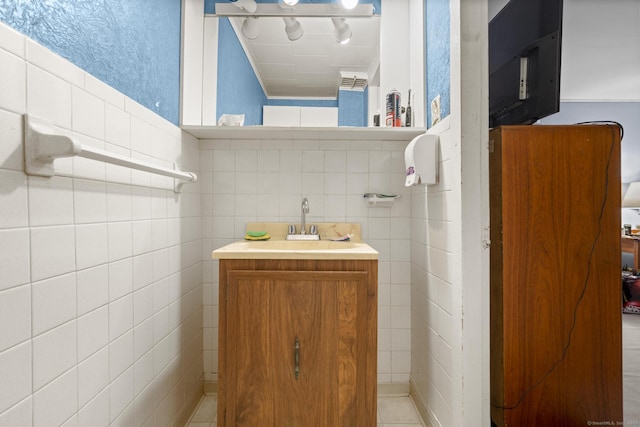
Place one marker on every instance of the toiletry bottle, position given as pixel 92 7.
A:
pixel 393 113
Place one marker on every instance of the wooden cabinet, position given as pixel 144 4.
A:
pixel 297 343
pixel 632 245
pixel 556 337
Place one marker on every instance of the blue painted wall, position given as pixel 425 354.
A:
pixel 239 91
pixel 625 113
pixel 210 5
pixel 353 107
pixel 437 66
pixel 127 44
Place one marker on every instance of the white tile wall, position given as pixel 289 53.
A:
pixel 57 401
pixel 13 199
pixel 56 106
pixel 12 82
pixel 430 275
pixel 16 370
pixel 89 201
pixel 93 332
pixel 87 116
pixel 52 251
pixel 83 334
pixel 15 316
pixel 11 155
pixel 266 181
pixel 20 414
pixel 54 352
pixel 93 376
pixel 92 288
pixel 92 246
pixel 120 279
pixel 53 302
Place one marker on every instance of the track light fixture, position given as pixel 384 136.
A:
pixel 342 30
pixel 250 10
pixel 250 27
pixel 293 28
pixel 248 5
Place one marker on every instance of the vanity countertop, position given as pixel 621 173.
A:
pixel 280 248
pixel 287 249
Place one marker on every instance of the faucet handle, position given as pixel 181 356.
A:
pixel 313 229
pixel 291 229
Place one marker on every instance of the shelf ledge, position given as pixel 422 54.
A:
pixel 313 133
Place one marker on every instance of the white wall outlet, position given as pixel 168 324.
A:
pixel 435 110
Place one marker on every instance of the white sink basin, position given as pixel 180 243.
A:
pixel 292 249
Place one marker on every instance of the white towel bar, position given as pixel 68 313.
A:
pixel 42 146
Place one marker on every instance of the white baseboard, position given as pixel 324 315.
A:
pixel 186 414
pixel 426 415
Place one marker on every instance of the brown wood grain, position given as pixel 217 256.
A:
pixel 270 303
pixel 556 340
pixel 632 245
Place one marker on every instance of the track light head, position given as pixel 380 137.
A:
pixel 293 28
pixel 342 30
pixel 249 5
pixel 250 27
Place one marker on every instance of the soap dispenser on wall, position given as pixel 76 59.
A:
pixel 421 159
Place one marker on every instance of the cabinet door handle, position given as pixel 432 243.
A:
pixel 297 368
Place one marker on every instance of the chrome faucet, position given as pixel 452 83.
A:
pixel 305 210
pixel 313 229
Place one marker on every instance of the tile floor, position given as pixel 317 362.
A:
pixel 400 411
pixel 392 412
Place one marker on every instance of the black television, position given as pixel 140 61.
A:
pixel 525 40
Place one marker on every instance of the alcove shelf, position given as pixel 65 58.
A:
pixel 317 133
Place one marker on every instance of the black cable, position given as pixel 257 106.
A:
pixel 605 122
pixel 565 350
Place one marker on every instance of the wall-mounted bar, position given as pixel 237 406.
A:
pixel 42 146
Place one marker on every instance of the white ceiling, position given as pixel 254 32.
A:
pixel 311 65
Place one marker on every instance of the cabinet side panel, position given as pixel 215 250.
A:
pixel 222 343
pixel 371 370
pixel 560 272
pixel 496 317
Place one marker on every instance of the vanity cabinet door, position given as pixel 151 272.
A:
pixel 295 348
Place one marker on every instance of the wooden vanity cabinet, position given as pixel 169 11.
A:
pixel 297 343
